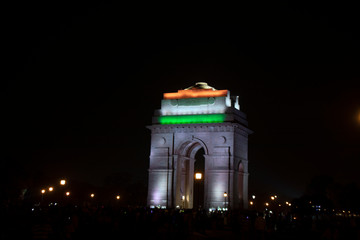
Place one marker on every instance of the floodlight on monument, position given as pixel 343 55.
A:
pixel 198 176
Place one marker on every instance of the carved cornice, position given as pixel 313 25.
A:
pixel 209 127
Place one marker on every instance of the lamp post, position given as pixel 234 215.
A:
pixel 198 177
pixel 43 191
pixel 225 196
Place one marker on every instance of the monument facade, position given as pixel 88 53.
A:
pixel 199 151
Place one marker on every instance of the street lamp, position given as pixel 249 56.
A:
pixel 43 191
pixel 67 193
pixel 92 195
pixel 198 176
pixel 225 196
pixel 62 182
pixel 51 189
pixel 118 197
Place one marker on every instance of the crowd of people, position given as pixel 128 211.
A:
pixel 89 221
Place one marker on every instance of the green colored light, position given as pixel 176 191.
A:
pixel 186 119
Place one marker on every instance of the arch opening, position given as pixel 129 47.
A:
pixel 191 190
pixel 199 168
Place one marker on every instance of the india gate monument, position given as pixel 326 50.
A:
pixel 199 151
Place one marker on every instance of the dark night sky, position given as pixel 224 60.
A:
pixel 82 82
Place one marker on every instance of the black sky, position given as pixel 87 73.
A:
pixel 81 82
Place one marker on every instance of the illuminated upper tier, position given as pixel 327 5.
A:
pixel 200 103
pixel 199 90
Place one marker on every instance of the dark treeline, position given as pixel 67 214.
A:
pixel 324 193
pixel 327 210
pixel 98 221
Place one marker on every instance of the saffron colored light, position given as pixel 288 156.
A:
pixel 188 119
pixel 196 93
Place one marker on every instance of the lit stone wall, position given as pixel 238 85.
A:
pixel 174 145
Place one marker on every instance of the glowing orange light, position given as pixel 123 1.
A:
pixel 196 93
pixel 67 193
pixel 251 203
pixel 198 176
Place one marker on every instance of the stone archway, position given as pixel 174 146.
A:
pixel 186 187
